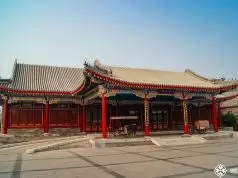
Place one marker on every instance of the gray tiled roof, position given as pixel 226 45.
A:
pixel 27 77
pixel 157 77
pixel 230 103
pixel 228 94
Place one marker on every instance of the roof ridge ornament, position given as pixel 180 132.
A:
pixel 102 68
pixel 14 70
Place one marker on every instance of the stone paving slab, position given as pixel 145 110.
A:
pixel 51 164
pixel 91 173
pixel 6 157
pixel 38 174
pixel 213 149
pixel 6 166
pixel 205 175
pixel 147 161
pixel 151 169
pixel 143 148
pixel 218 135
pixel 235 153
pixel 47 155
pixel 6 175
pixel 118 159
pixel 168 154
pixel 96 152
pixel 208 161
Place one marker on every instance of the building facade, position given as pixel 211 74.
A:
pixel 38 96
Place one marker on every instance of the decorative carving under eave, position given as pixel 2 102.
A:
pixel 95 80
pixel 179 95
pixel 151 95
pixel 207 96
pixel 139 94
pixel 4 97
pixel 32 99
pixel 102 89
pixel 78 101
pixel 109 94
pixel 188 96
pixel 54 100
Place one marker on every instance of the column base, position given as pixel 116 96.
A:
pixel 6 135
pixel 186 135
pixel 147 131
pixel 185 128
pixel 104 136
pixel 45 134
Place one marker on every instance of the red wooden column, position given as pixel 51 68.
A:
pixel 104 116
pixel 219 114
pixel 214 115
pixel 83 124
pixel 147 122
pixel 46 119
pixel 117 114
pixel 79 117
pixel 4 119
pixel 185 116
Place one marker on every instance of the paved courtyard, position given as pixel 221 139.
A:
pixel 136 161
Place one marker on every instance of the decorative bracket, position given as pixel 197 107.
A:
pixel 179 95
pixel 151 95
pixel 53 100
pixel 139 94
pixel 78 101
pixel 4 97
pixel 102 89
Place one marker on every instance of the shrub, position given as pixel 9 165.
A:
pixel 229 120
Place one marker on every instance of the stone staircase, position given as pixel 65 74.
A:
pixel 177 141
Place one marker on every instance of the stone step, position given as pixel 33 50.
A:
pixel 56 145
pixel 177 141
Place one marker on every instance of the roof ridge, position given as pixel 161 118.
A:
pixel 43 65
pixel 14 70
pixel 189 71
pixel 140 68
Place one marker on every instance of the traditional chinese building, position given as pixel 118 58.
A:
pixel 46 97
pixel 228 101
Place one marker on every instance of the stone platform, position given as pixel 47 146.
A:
pixel 27 135
pixel 119 142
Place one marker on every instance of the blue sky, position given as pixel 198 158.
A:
pixel 164 34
